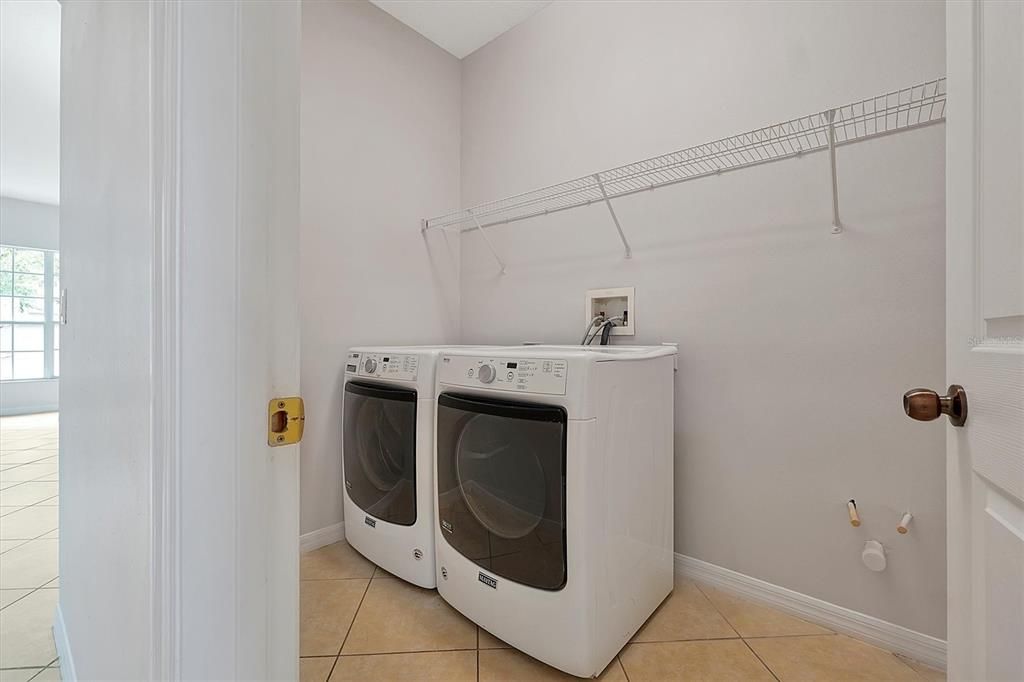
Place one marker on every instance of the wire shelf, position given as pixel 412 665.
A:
pixel 905 109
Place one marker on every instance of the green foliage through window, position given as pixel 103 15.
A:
pixel 29 306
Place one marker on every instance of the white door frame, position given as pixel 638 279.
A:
pixel 165 159
pixel 255 64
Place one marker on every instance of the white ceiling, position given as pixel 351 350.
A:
pixel 461 26
pixel 30 74
pixel 30 100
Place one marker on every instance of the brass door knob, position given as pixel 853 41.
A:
pixel 925 405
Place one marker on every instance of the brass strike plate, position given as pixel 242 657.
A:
pixel 286 418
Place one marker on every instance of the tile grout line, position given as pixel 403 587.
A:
pixel 351 623
pixel 401 653
pixel 32 539
pixel 698 639
pixel 33 504
pixel 18 465
pixel 618 657
pixel 760 660
pixel 816 634
pixel 907 665
pixel 717 610
pixel 32 590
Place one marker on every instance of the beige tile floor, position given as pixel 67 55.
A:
pixel 28 547
pixel 360 623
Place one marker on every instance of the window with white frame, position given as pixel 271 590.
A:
pixel 29 305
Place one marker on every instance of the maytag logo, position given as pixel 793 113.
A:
pixel 446 526
pixel 488 580
pixel 372 523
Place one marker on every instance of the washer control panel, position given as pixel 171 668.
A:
pixel 532 375
pixel 383 365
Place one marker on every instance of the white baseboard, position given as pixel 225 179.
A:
pixel 322 537
pixel 60 638
pixel 896 638
pixel 19 410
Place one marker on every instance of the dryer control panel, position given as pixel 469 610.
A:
pixel 519 375
pixel 383 365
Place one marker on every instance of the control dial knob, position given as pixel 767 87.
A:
pixel 370 365
pixel 486 374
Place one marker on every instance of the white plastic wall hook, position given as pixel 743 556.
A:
pixel 905 523
pixel 851 507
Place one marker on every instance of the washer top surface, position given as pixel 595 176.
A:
pixel 596 353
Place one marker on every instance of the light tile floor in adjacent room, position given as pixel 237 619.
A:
pixel 360 623
pixel 28 547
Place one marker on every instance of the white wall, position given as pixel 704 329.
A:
pixel 34 225
pixel 795 345
pixel 30 99
pixel 106 350
pixel 29 224
pixel 380 151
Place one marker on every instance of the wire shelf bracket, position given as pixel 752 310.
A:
pixel 908 108
pixel 837 226
pixel 487 241
pixel 615 218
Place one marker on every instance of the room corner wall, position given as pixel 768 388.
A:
pixel 795 344
pixel 380 151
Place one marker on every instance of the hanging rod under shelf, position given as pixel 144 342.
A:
pixel 905 109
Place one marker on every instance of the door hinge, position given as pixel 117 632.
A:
pixel 286 418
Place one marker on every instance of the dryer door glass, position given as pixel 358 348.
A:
pixel 501 486
pixel 379 456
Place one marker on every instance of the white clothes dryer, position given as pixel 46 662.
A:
pixel 554 485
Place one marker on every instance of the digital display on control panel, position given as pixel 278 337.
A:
pixel 511 365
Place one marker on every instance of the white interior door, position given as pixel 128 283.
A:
pixel 238 336
pixel 985 338
pixel 179 221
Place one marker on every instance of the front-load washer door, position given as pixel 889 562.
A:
pixel 501 486
pixel 379 454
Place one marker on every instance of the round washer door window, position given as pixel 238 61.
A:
pixel 381 442
pixel 500 476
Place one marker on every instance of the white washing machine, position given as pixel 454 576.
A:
pixel 555 495
pixel 387 458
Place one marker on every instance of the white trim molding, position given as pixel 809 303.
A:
pixel 165 213
pixel 890 636
pixel 60 639
pixel 322 537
